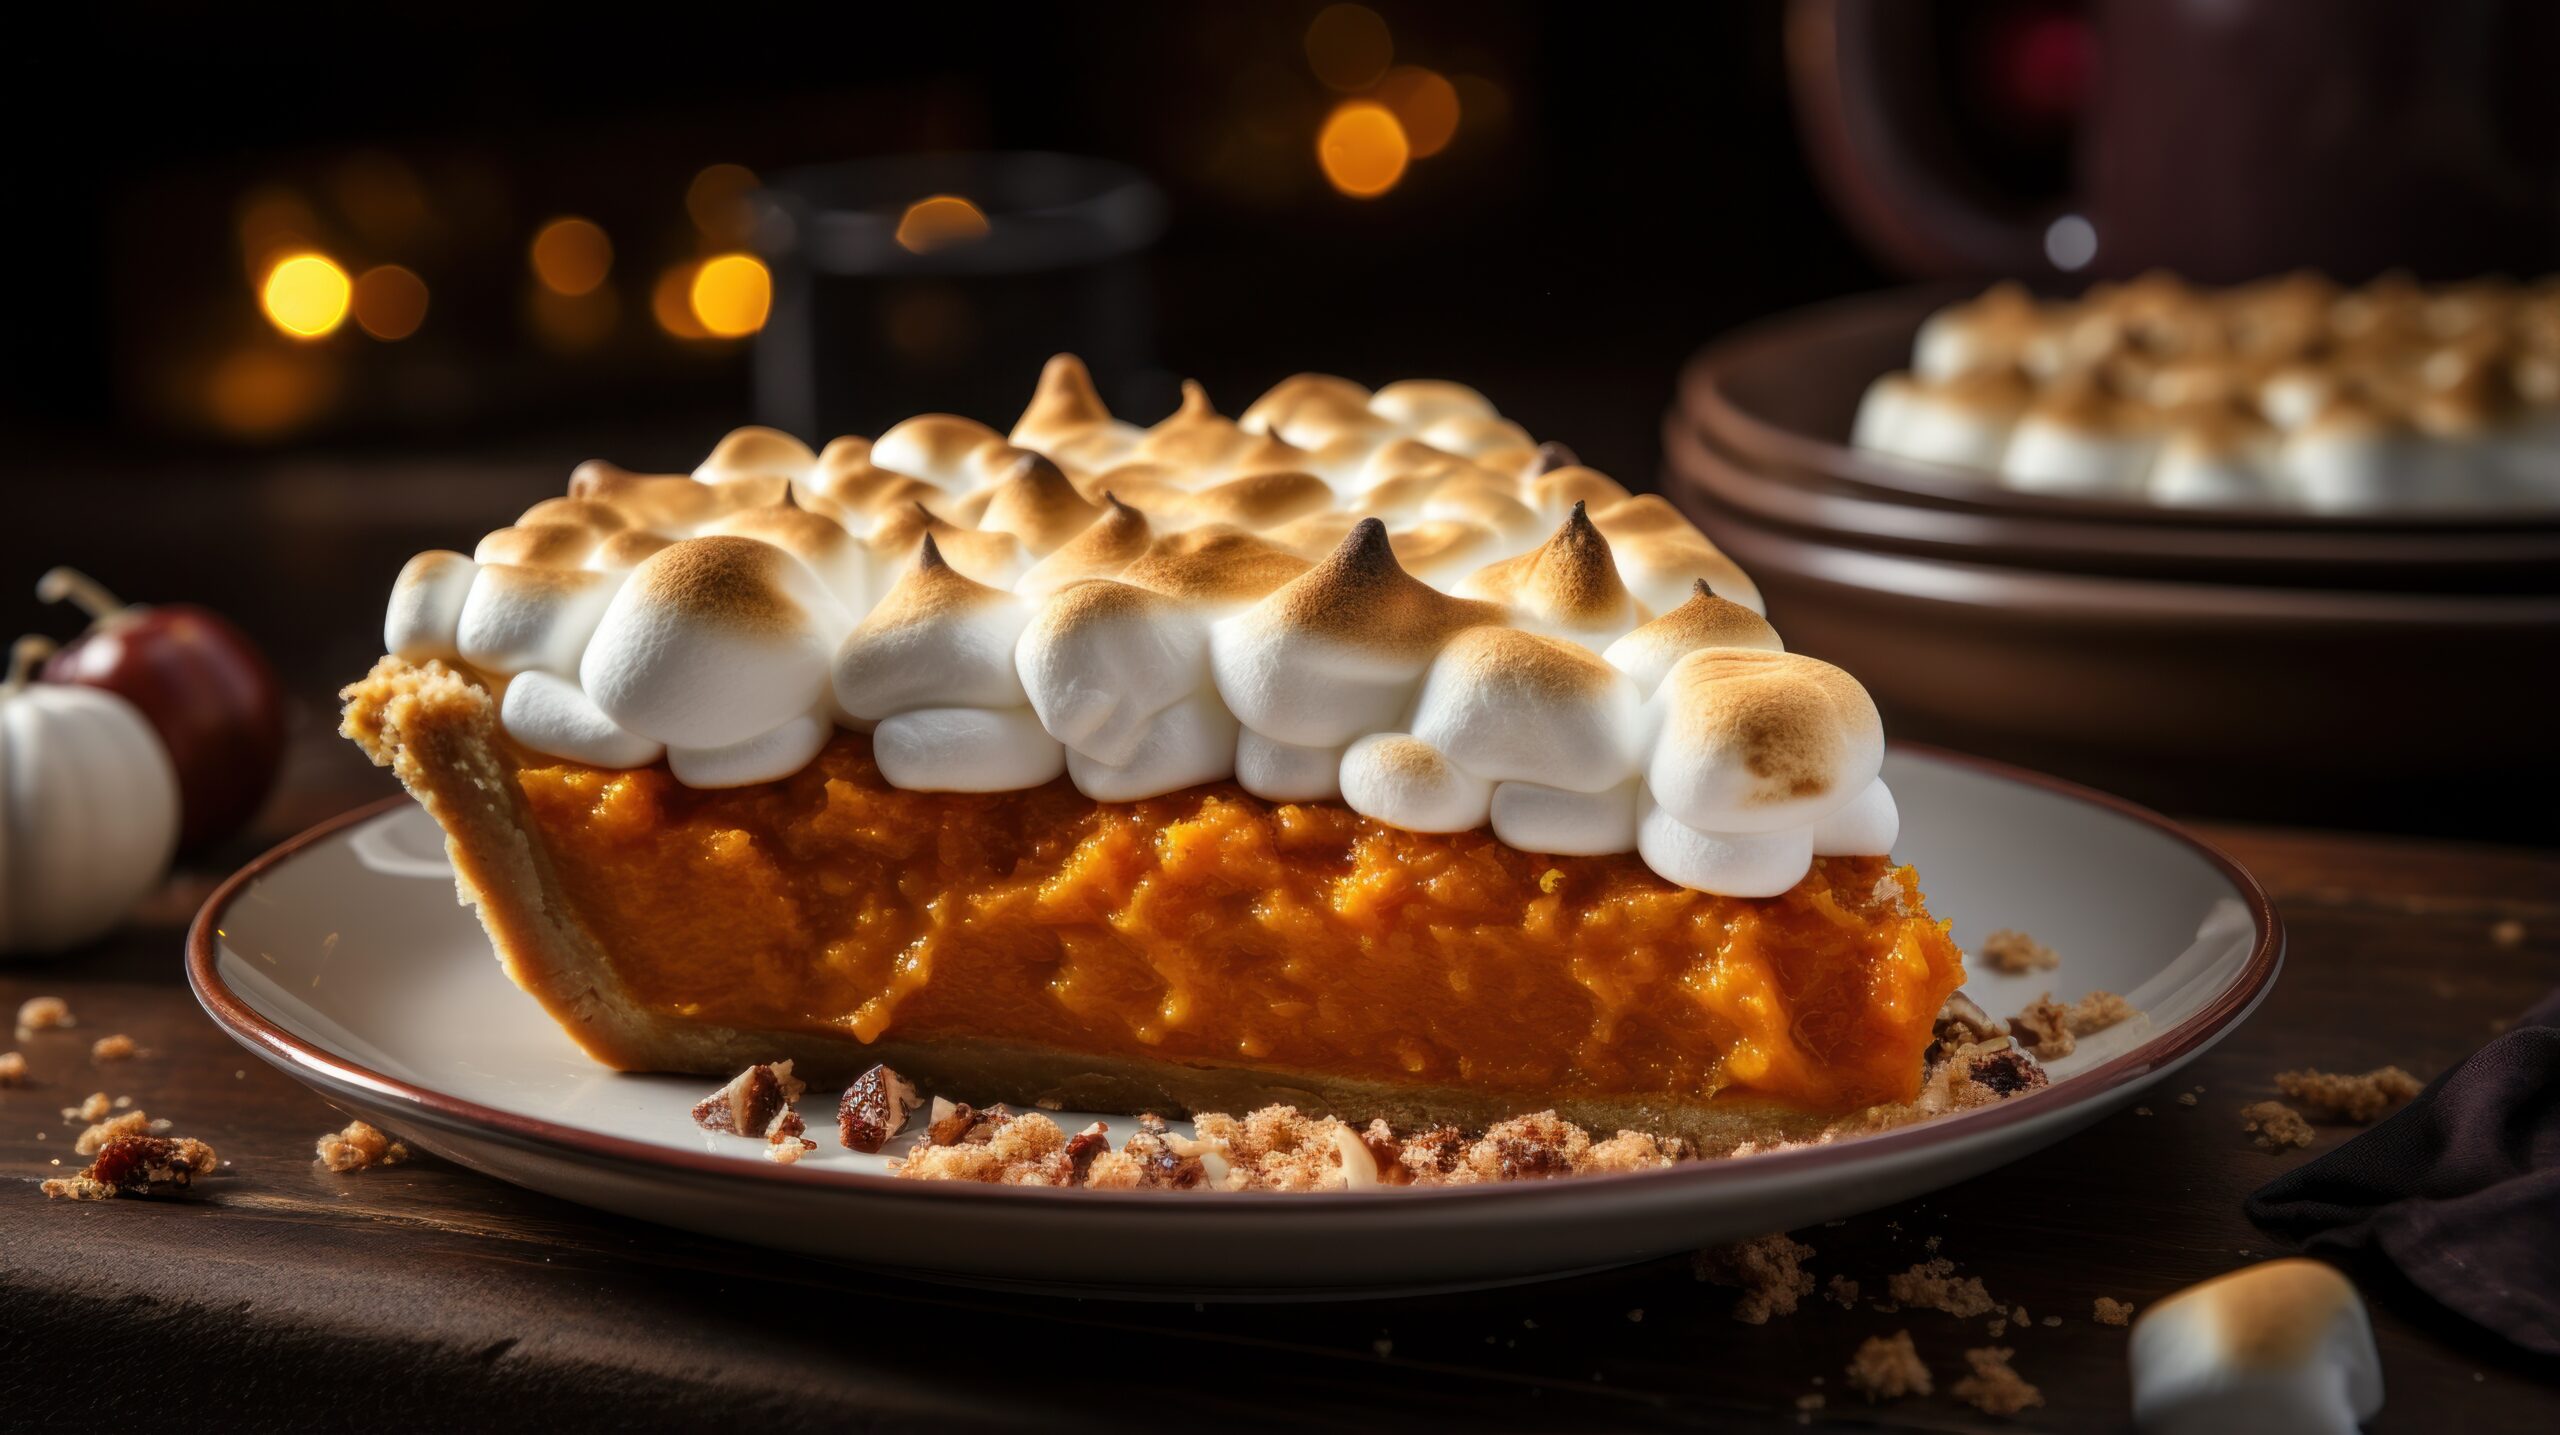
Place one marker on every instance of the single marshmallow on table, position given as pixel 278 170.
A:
pixel 2280 1346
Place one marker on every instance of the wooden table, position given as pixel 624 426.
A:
pixel 424 1296
pixel 429 1297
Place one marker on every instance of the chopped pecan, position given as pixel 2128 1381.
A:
pixel 875 1109
pixel 756 1102
pixel 137 1166
pixel 1084 1146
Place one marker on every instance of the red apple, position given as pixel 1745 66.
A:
pixel 199 681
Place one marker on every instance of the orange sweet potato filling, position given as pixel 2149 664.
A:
pixel 1212 926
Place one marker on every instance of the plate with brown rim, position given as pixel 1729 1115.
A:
pixel 342 959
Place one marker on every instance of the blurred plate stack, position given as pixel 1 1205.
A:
pixel 2379 671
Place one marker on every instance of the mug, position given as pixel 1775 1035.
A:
pixel 2220 139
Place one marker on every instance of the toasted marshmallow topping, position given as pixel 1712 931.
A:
pixel 2284 393
pixel 2281 1345
pixel 1399 601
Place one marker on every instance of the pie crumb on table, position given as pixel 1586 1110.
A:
pixel 1934 1285
pixel 357 1147
pixel 2336 1096
pixel 2107 1311
pixel 1993 1388
pixel 43 1014
pixel 2279 1127
pixel 1887 1368
pixel 1768 1271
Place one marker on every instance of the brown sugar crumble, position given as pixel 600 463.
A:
pixel 2279 1127
pixel 357 1147
pixel 1934 1285
pixel 93 1107
pixel 2013 951
pixel 1887 1368
pixel 757 1102
pixel 13 1069
pixel 136 1166
pixel 2340 1097
pixel 37 1014
pixel 1842 1292
pixel 2052 1029
pixel 2106 1311
pixel 1993 1388
pixel 118 1047
pixel 1767 1270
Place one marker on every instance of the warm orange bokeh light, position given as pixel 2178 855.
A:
pixel 1348 46
pixel 571 255
pixel 570 323
pixel 390 302
pixel 940 220
pixel 1363 149
pixel 1426 104
pixel 671 302
pixel 731 295
pixel 717 200
pixel 265 390
pixel 305 295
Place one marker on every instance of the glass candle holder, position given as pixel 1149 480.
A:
pixel 940 283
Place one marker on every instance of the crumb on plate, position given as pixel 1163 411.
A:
pixel 2012 951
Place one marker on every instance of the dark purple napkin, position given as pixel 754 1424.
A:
pixel 2460 1189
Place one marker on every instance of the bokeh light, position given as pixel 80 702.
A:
pixel 305 295
pixel 1363 149
pixel 266 389
pixel 274 222
pixel 1426 104
pixel 1484 102
pixel 732 293
pixel 719 200
pixel 571 255
pixel 1348 46
pixel 940 220
pixel 572 323
pixel 390 302
pixel 671 302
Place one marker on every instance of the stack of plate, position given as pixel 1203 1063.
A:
pixel 2385 671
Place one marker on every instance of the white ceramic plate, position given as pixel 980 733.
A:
pixel 343 959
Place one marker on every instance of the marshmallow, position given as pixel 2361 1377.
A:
pixel 944 450
pixel 1985 334
pixel 551 714
pixel 767 757
pixel 1705 621
pixel 426 606
pixel 1513 706
pixel 2282 1345
pixel 1189 743
pixel 1729 864
pixel 1282 772
pixel 1537 818
pixel 966 750
pixel 1756 742
pixel 1866 827
pixel 2078 442
pixel 713 642
pixel 1396 600
pixel 939 639
pixel 1102 659
pixel 522 618
pixel 1336 652
pixel 1568 585
pixel 1964 422
pixel 2223 466
pixel 1401 781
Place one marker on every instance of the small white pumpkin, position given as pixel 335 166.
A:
pixel 88 808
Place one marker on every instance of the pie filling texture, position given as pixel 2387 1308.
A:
pixel 1213 927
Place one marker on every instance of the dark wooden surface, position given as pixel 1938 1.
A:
pixel 426 1297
